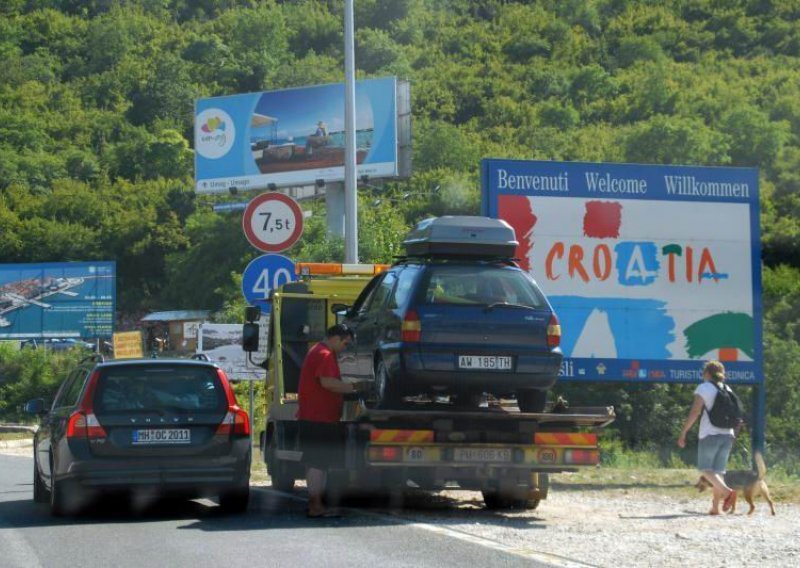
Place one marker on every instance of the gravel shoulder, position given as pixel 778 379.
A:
pixel 635 524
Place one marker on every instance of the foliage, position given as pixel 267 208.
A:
pixel 96 132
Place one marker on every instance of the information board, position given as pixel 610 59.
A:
pixel 651 269
pixel 59 299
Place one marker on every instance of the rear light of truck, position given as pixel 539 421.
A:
pixel 553 332
pixel 411 328
pixel 236 420
pixel 581 457
pixel 83 424
pixel 385 454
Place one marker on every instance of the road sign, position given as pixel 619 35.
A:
pixel 263 275
pixel 128 345
pixel 272 222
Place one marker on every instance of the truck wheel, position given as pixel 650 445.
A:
pixel 531 400
pixel 496 501
pixel 279 475
pixel 385 391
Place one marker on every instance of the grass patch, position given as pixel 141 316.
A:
pixel 6 436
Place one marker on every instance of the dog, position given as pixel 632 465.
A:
pixel 750 483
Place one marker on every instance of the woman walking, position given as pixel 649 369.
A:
pixel 715 443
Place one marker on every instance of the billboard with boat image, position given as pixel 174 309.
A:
pixel 60 299
pixel 294 137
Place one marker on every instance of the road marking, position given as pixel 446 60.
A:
pixel 555 560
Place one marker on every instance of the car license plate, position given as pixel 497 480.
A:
pixel 162 436
pixel 482 455
pixel 484 362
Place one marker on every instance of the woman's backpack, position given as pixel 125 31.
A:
pixel 727 410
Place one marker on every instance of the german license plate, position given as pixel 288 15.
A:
pixel 162 436
pixel 502 455
pixel 484 362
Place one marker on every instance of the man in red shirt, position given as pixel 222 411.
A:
pixel 321 401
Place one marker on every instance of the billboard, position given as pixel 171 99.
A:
pixel 60 299
pixel 651 269
pixel 294 137
pixel 222 344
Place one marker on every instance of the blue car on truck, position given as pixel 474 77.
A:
pixel 456 316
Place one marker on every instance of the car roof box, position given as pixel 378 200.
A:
pixel 461 235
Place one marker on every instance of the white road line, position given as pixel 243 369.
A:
pixel 525 552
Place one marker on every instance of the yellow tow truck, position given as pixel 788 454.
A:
pixel 427 444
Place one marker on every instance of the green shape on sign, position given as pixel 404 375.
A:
pixel 720 331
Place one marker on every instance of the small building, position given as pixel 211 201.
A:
pixel 174 330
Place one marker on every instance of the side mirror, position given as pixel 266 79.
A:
pixel 35 406
pixel 250 337
pixel 337 308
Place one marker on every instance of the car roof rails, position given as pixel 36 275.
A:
pixel 94 357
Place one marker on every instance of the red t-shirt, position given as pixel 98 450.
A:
pixel 317 403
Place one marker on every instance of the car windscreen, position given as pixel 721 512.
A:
pixel 159 388
pixel 480 285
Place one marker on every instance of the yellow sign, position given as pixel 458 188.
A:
pixel 128 345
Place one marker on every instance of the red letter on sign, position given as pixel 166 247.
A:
pixel 556 251
pixel 576 263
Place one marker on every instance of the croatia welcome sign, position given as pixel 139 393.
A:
pixel 651 269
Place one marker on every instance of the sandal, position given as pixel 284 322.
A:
pixel 730 500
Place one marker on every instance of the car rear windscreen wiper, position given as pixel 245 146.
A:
pixel 507 305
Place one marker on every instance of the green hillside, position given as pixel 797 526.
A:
pixel 96 128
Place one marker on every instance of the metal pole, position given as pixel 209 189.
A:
pixel 252 411
pixel 759 428
pixel 350 195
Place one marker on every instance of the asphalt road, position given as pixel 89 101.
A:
pixel 274 532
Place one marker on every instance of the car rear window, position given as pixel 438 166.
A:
pixel 159 388
pixel 480 285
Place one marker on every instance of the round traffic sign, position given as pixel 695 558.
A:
pixel 272 222
pixel 263 275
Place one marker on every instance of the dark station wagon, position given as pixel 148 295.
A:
pixel 456 316
pixel 169 426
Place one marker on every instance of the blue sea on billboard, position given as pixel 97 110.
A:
pixel 293 137
pixel 57 300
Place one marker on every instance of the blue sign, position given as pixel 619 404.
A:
pixel 293 137
pixel 652 270
pixel 59 299
pixel 263 275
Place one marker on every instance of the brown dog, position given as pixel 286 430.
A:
pixel 750 483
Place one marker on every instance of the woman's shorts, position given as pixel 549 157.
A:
pixel 713 452
pixel 322 444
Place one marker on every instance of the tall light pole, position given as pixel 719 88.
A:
pixel 350 194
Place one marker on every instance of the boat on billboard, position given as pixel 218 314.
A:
pixel 57 300
pixel 651 269
pixel 294 137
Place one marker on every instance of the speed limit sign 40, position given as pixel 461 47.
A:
pixel 264 274
pixel 272 222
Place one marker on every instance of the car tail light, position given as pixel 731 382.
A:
pixel 553 332
pixel 411 328
pixel 236 420
pixel 83 423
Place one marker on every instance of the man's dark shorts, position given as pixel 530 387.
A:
pixel 322 444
